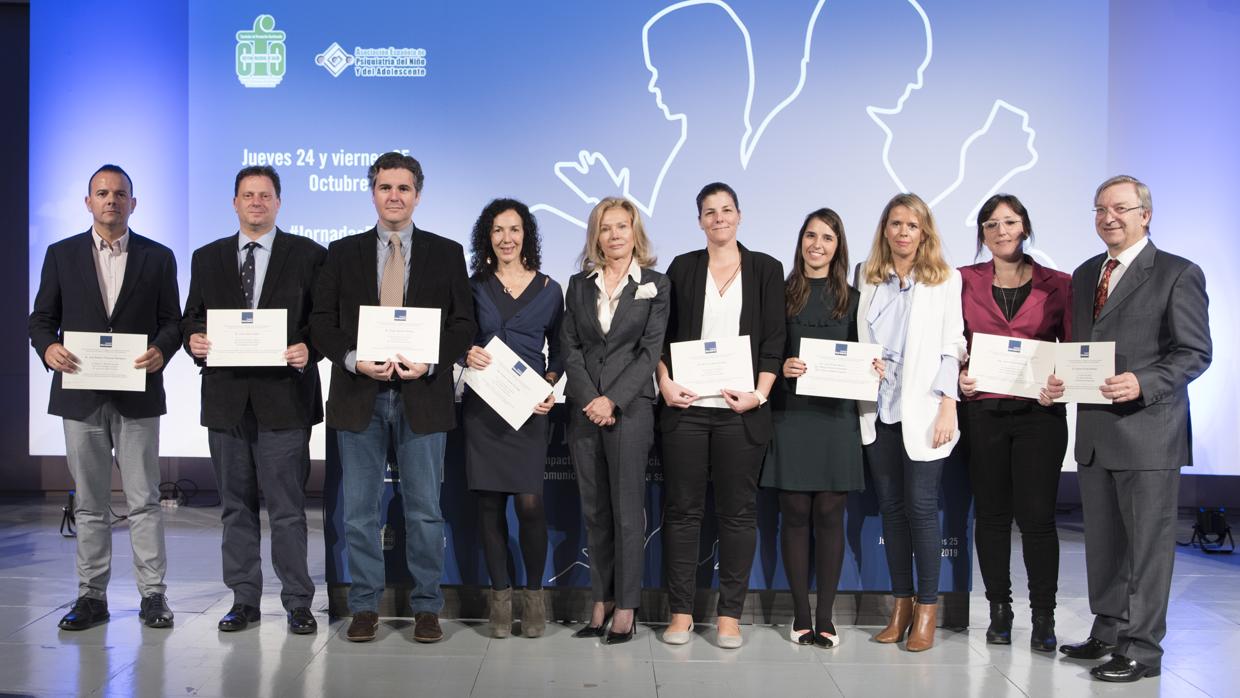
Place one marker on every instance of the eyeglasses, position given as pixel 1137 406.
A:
pixel 1100 211
pixel 1009 224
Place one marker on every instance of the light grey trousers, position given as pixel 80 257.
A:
pixel 89 446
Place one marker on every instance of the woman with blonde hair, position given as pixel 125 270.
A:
pixel 615 315
pixel 910 304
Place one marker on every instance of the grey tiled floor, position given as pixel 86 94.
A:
pixel 121 658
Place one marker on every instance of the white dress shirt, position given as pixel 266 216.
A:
pixel 606 308
pixel 1125 260
pixel 110 260
pixel 721 317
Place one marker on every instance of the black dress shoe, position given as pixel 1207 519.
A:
pixel 239 617
pixel 1123 670
pixel 86 613
pixel 154 611
pixel 1042 638
pixel 301 621
pixel 1000 630
pixel 1092 648
pixel 621 638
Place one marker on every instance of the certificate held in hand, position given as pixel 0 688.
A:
pixel 105 361
pixel 385 331
pixel 839 369
pixel 707 366
pixel 1011 365
pixel 509 385
pixel 1084 367
pixel 245 337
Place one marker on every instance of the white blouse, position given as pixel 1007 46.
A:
pixel 721 317
pixel 607 304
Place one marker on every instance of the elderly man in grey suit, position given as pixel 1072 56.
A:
pixel 1153 305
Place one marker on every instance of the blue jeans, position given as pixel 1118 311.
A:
pixel 908 498
pixel 419 457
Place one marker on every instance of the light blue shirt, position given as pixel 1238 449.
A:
pixel 262 255
pixel 888 318
pixel 383 250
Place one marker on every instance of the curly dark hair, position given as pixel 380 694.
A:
pixel 483 258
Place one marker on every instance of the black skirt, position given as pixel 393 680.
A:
pixel 497 458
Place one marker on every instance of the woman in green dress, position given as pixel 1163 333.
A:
pixel 815 457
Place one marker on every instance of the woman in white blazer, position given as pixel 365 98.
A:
pixel 910 304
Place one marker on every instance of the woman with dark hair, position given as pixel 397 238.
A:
pixel 815 458
pixel 615 314
pixel 718 292
pixel 522 307
pixel 1016 445
pixel 910 304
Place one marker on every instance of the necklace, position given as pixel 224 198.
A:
pixel 1008 301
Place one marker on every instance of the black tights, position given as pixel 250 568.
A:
pixel 827 512
pixel 493 529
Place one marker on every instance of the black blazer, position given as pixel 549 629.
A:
pixel 281 397
pixel 349 279
pixel 618 364
pixel 762 318
pixel 69 300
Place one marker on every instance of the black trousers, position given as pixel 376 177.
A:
pixel 1016 450
pixel 710 444
pixel 245 459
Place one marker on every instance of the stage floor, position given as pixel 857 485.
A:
pixel 121 658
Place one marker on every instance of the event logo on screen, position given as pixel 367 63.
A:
pixel 384 62
pixel 260 54
pixel 334 59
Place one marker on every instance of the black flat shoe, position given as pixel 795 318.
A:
pixel 301 621
pixel 1000 630
pixel 86 613
pixel 621 638
pixel 1123 670
pixel 239 618
pixel 1092 648
pixel 1042 638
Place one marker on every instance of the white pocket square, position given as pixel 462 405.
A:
pixel 645 291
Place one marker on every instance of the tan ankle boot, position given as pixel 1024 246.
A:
pixel 925 620
pixel 500 603
pixel 533 613
pixel 901 616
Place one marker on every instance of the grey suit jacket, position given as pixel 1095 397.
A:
pixel 1158 318
pixel 621 363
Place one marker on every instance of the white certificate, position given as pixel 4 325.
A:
pixel 246 337
pixel 105 361
pixel 508 384
pixel 839 369
pixel 1011 365
pixel 385 331
pixel 706 366
pixel 1084 367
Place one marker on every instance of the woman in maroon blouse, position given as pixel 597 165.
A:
pixel 1016 445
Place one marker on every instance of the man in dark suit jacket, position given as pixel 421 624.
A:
pixel 373 404
pixel 259 418
pixel 109 279
pixel 1153 305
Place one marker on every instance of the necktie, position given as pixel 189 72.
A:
pixel 392 286
pixel 1100 295
pixel 247 274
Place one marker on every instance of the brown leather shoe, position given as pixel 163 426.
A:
pixel 426 627
pixel 925 620
pixel 901 617
pixel 363 627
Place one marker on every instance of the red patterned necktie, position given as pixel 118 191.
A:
pixel 1100 295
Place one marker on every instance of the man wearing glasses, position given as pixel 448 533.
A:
pixel 1153 305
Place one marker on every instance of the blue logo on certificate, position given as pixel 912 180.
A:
pixel 1084 351
pixel 1014 345
pixel 399 314
pixel 841 350
pixel 519 368
pixel 105 341
pixel 247 317
pixel 711 347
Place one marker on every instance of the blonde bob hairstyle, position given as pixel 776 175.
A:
pixel 592 256
pixel 929 267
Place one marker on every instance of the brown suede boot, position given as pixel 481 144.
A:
pixel 533 613
pixel 901 616
pixel 925 620
pixel 500 604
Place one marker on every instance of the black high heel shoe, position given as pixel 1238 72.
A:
pixel 593 631
pixel 621 638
